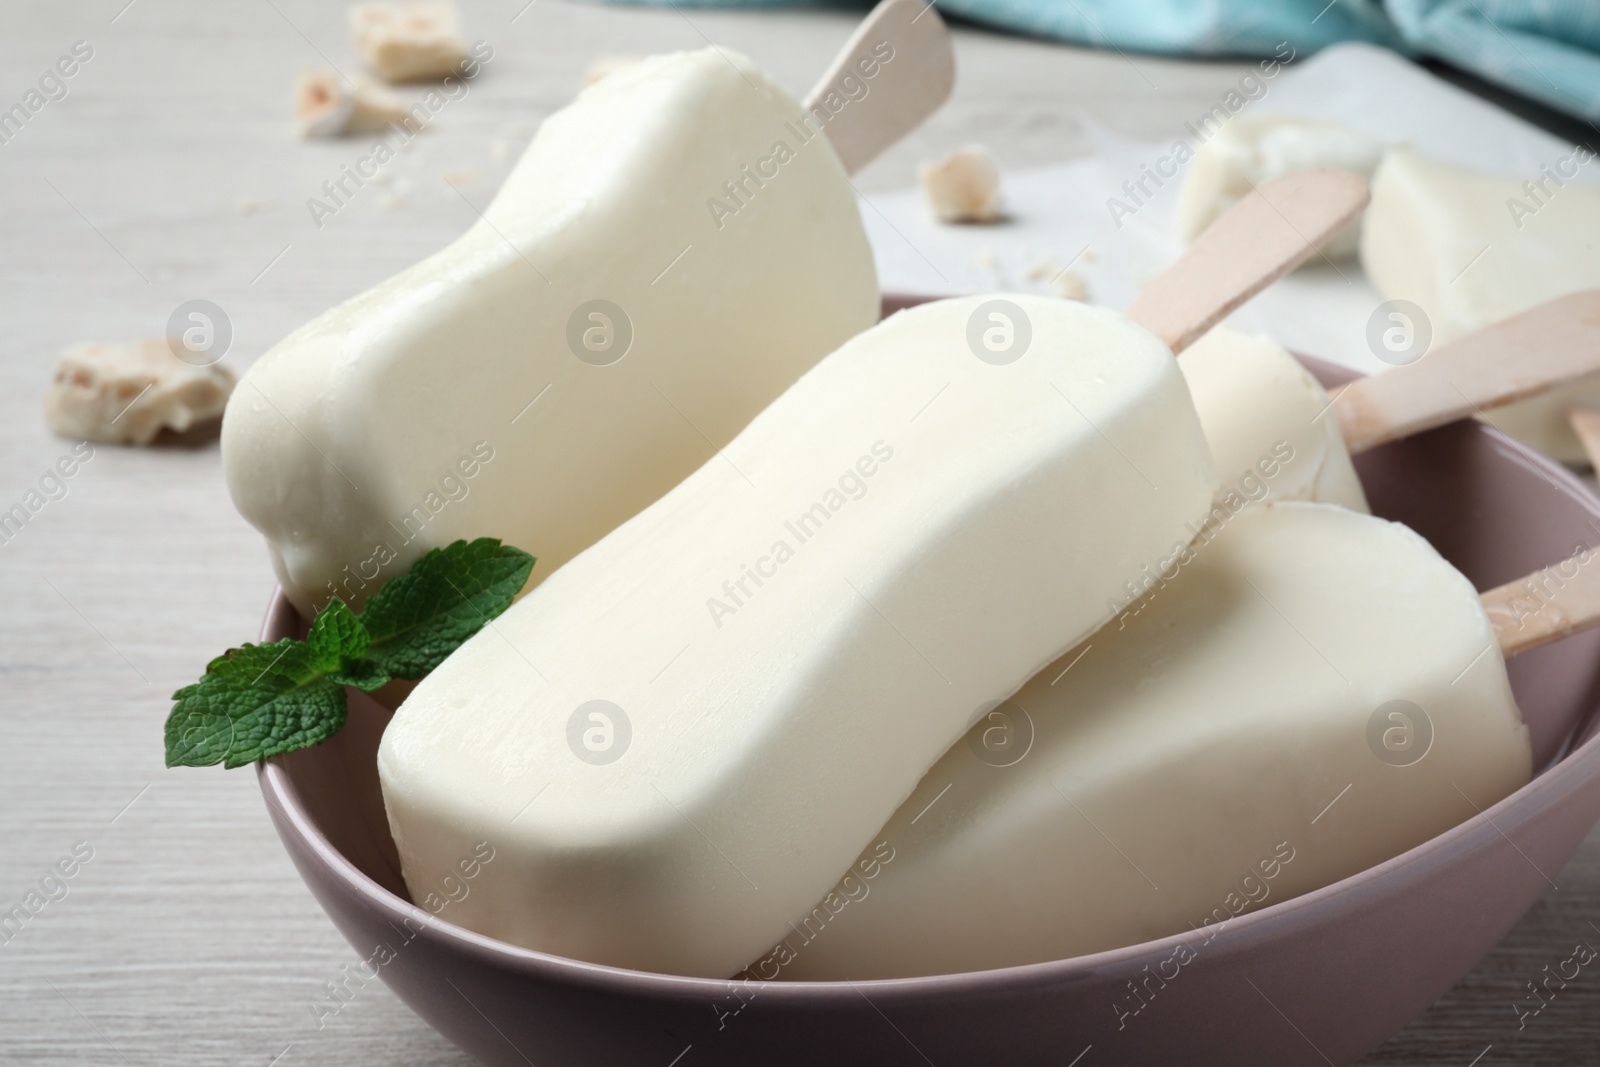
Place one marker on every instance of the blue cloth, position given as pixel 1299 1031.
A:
pixel 1187 27
pixel 1548 50
pixel 1545 49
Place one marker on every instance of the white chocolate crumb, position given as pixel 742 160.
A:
pixel 419 40
pixel 391 202
pixel 1042 270
pixel 1069 285
pixel 463 177
pixel 328 105
pixel 127 394
pixel 498 148
pixel 1089 255
pixel 252 206
pixel 607 65
pixel 963 186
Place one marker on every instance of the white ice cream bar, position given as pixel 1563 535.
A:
pixel 1249 152
pixel 787 640
pixel 1471 249
pixel 1269 423
pixel 673 251
pixel 1276 434
pixel 1315 692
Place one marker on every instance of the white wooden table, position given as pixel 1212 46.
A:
pixel 170 172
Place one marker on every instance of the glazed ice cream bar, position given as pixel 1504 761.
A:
pixel 679 739
pixel 1276 434
pixel 675 248
pixel 1317 691
pixel 1268 422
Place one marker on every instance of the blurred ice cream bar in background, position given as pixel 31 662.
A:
pixel 1470 249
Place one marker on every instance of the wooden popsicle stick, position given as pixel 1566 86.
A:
pixel 1264 236
pixel 1547 605
pixel 905 45
pixel 1585 422
pixel 1554 344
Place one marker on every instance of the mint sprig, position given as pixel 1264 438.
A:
pixel 258 701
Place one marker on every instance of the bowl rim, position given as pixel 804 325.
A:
pixel 1557 778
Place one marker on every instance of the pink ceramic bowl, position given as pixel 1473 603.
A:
pixel 1319 979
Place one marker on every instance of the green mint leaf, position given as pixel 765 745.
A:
pixel 259 701
pixel 361 674
pixel 337 635
pixel 419 618
pixel 254 702
pixel 339 640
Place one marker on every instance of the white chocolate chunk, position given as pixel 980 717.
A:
pixel 1249 152
pixel 1471 249
pixel 414 40
pixel 127 394
pixel 327 105
pixel 795 633
pixel 1270 424
pixel 464 398
pixel 963 186
pixel 1235 745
